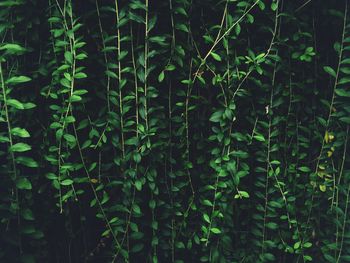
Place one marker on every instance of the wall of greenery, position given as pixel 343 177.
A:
pixel 174 131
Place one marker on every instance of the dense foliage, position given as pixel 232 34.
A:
pixel 174 131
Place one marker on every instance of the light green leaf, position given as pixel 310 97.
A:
pixel 80 75
pixel 75 98
pixel 12 48
pixel 161 76
pixel 67 182
pixel 69 138
pixel 20 132
pixel 274 6
pixel 215 56
pixel 244 194
pixel 15 103
pixel 216 116
pixel 297 245
pixel 68 56
pixel 18 79
pixel 307 245
pixel 215 230
pixel 259 137
pixel 20 147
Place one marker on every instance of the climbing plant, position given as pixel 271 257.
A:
pixel 174 131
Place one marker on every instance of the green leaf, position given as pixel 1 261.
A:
pixel 261 5
pixel 304 169
pixel 207 202
pixel 272 225
pixel 274 6
pixel 67 182
pixel 269 256
pixel 330 71
pixel 216 116
pixel 346 61
pixel 329 258
pixel 69 138
pixel 345 258
pixel 138 185
pixel 342 92
pixel 20 147
pixel 137 248
pixel 259 137
pixel 170 67
pixel 27 214
pixel 307 245
pixel 67 76
pixel 15 103
pixel 244 194
pixel 26 161
pixel 345 120
pixel 137 157
pixel 68 56
pixel 161 76
pixel 12 48
pixel 152 204
pixel 80 92
pixel 75 98
pixel 240 154
pixel 17 80
pixel 136 209
pixel 105 198
pixel 182 27
pixel 11 3
pixel 80 75
pixel 297 245
pixel 307 258
pixel 20 132
pixel 29 105
pixel 344 80
pixel 215 230
pixel 23 183
pixel 132 141
pixel 206 218
pixel 81 56
pixel 215 56
pixel 237 29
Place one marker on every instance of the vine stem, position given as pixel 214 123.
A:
pixel 219 38
pixel 104 55
pixel 119 81
pixel 173 220
pixel 347 196
pixel 92 187
pixel 146 64
pixel 136 83
pixel 187 138
pixel 331 104
pixel 71 91
pixel 11 144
